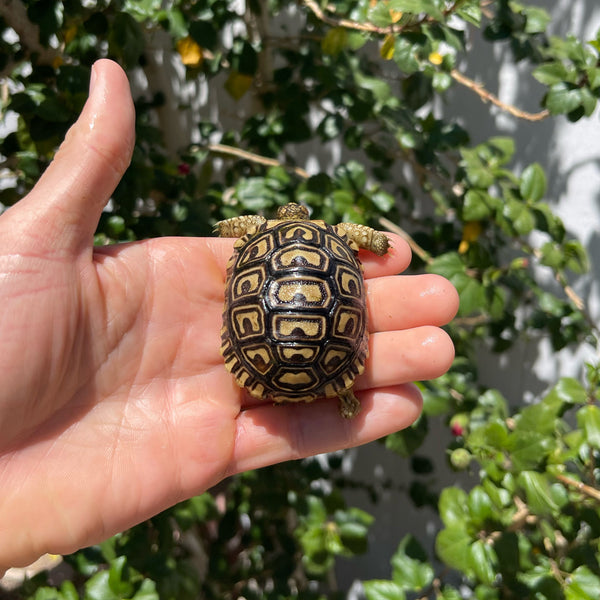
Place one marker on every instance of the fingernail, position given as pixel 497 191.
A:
pixel 93 78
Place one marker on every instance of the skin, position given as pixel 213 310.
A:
pixel 114 402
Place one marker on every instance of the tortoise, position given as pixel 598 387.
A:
pixel 295 318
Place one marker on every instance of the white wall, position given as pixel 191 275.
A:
pixel 570 154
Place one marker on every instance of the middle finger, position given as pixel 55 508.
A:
pixel 406 301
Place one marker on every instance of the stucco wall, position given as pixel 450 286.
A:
pixel 570 154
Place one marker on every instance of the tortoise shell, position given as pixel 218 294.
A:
pixel 294 324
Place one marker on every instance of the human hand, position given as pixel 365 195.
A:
pixel 114 400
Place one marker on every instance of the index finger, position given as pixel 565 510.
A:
pixel 395 261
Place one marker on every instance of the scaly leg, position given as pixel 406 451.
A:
pixel 349 404
pixel 239 226
pixel 366 237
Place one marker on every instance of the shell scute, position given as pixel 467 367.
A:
pixel 295 312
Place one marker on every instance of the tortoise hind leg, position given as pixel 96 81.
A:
pixel 349 404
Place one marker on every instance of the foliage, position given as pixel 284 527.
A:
pixel 359 77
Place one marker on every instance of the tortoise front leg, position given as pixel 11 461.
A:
pixel 366 237
pixel 239 226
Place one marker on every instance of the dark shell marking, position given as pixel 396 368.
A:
pixel 294 325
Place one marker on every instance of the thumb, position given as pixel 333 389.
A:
pixel 65 204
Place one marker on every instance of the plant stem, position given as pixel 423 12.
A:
pixel 588 490
pixel 255 158
pixel 487 96
pixel 418 250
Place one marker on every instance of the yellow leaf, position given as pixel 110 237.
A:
pixel 70 33
pixel 334 41
pixel 471 232
pixel 238 84
pixel 436 58
pixel 387 47
pixel 396 15
pixel 57 61
pixel 190 52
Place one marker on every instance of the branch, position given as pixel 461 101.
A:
pixel 15 15
pixel 418 250
pixel 255 158
pixel 489 97
pixel 588 490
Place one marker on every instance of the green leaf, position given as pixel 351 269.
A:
pixel 67 591
pixel 537 19
pixel 410 569
pixel 98 588
pixel 503 150
pixel 416 7
pixel 472 295
pixel 126 39
pixel 563 98
pixel 530 448
pixel 480 506
pixel 147 591
pixel 380 14
pixel 379 88
pixel 533 183
pixel 582 584
pixel 204 33
pixel 405 55
pixel 452 507
pixel 576 257
pixel 381 589
pixel 354 537
pixel 383 201
pixel 470 12
pixel 405 442
pixel 551 255
pixel 470 290
pixel 351 176
pixel 334 41
pixel 477 205
pixel 520 216
pixel 453 547
pixel 568 391
pixel 588 418
pixel 441 81
pixel 482 560
pixel 553 73
pixel 142 9
pixel 537 492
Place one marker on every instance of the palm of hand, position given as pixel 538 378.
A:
pixel 115 402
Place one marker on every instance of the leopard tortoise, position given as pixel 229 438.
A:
pixel 295 319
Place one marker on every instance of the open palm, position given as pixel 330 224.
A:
pixel 114 400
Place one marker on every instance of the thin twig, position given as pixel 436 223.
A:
pixel 588 490
pixel 255 158
pixel 418 250
pixel 14 12
pixel 489 97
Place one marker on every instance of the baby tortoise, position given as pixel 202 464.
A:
pixel 295 318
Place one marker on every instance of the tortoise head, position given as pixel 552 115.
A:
pixel 292 212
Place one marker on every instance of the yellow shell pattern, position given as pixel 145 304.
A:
pixel 294 324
